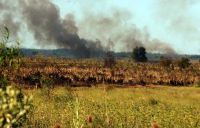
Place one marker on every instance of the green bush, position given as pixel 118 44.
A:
pixel 139 54
pixel 184 63
pixel 13 107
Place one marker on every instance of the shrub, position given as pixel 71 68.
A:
pixel 139 54
pixel 166 62
pixel 109 60
pixel 184 63
pixel 13 107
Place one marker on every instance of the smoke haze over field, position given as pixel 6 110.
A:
pixel 43 20
pixel 88 27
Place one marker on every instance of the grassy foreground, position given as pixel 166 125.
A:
pixel 108 107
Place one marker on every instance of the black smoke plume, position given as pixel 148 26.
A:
pixel 7 16
pixel 42 18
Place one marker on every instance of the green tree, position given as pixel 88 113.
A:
pixel 184 63
pixel 139 54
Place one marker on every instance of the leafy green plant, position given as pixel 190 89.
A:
pixel 9 56
pixel 13 107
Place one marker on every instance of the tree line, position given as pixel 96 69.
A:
pixel 139 55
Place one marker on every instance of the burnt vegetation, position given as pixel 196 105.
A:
pixel 166 62
pixel 89 72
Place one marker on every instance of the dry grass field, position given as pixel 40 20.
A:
pixel 112 107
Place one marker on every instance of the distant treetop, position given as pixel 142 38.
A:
pixel 139 54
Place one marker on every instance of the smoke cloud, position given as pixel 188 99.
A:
pixel 179 18
pixel 7 16
pixel 115 31
pixel 95 33
pixel 43 19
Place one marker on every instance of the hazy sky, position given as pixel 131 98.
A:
pixel 174 23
